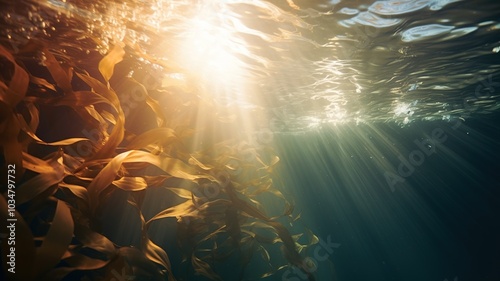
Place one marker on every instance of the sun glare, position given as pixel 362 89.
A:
pixel 209 50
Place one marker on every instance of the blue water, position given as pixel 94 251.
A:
pixel 441 223
pixel 385 115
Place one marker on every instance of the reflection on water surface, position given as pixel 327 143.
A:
pixel 305 62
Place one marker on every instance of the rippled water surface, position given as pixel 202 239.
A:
pixel 356 88
pixel 305 62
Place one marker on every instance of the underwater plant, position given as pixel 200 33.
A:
pixel 75 141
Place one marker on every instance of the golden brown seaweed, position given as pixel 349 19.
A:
pixel 74 188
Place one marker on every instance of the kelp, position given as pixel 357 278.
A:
pixel 61 194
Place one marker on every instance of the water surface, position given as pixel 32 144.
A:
pixel 347 89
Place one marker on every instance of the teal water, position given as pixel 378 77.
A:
pixel 440 223
pixel 385 115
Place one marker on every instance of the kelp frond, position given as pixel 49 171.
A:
pixel 63 189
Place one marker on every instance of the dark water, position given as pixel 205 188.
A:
pixel 440 223
pixel 385 114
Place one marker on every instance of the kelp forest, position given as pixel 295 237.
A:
pixel 99 137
